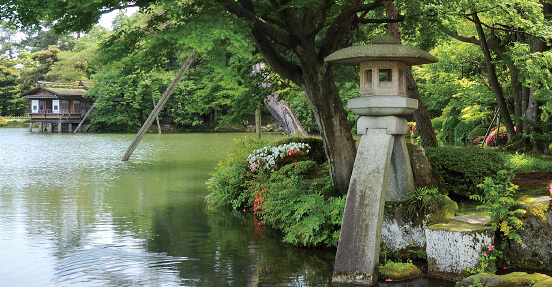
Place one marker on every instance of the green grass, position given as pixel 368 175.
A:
pixel 528 163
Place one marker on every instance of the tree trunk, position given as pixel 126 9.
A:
pixel 320 90
pixel 422 118
pixel 493 80
pixel 423 121
pixel 281 111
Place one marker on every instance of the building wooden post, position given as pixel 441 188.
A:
pixel 158 107
pixel 90 110
pixel 40 127
pixel 31 127
pixel 60 127
pixel 258 131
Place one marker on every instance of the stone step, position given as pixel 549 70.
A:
pixel 454 247
pixel 473 219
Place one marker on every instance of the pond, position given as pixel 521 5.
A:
pixel 73 214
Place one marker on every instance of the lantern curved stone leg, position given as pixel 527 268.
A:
pixel 359 243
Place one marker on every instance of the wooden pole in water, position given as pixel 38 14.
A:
pixel 157 115
pixel 90 110
pixel 158 107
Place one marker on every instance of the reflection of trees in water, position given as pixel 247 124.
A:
pixel 227 249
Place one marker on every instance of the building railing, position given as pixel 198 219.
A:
pixel 58 112
pixel 17 118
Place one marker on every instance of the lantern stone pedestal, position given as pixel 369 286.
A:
pixel 382 168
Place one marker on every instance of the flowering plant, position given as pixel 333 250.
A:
pixel 268 157
pixel 486 260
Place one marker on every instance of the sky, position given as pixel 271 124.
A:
pixel 107 19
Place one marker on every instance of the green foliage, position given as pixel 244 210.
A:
pixel 295 195
pixel 230 183
pixel 462 169
pixel 527 163
pixel 477 135
pixel 463 129
pixel 437 122
pixel 11 104
pixel 419 201
pixel 486 261
pixel 498 202
pixel 301 201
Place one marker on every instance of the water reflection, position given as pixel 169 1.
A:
pixel 73 214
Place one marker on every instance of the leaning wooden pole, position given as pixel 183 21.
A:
pixel 90 110
pixel 158 107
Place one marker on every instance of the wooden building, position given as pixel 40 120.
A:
pixel 56 108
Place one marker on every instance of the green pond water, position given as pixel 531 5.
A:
pixel 73 214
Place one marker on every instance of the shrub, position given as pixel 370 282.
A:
pixel 462 169
pixel 447 130
pixel 300 200
pixel 229 183
pixel 437 123
pixel 497 200
pixel 477 135
pixel 316 146
pixel 463 129
pixel 496 137
pixel 286 184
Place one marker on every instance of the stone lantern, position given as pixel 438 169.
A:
pixel 382 168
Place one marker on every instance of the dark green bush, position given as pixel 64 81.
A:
pixel 462 169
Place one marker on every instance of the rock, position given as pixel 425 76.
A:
pixel 536 235
pixel 473 219
pixel 421 169
pixel 399 271
pixel 514 279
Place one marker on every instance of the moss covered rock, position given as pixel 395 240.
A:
pixel 515 279
pixel 399 271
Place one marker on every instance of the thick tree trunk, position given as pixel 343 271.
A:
pixel 320 89
pixel 423 121
pixel 493 80
pixel 422 118
pixel 281 111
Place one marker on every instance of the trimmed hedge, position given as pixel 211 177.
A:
pixel 462 169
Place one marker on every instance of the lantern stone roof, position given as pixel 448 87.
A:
pixel 382 49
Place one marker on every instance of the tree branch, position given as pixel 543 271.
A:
pixel 275 34
pixel 277 62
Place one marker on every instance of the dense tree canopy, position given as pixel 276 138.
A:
pixel 492 53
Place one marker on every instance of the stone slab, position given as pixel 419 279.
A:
pixel 393 125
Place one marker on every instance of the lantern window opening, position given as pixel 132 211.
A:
pixel 385 75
